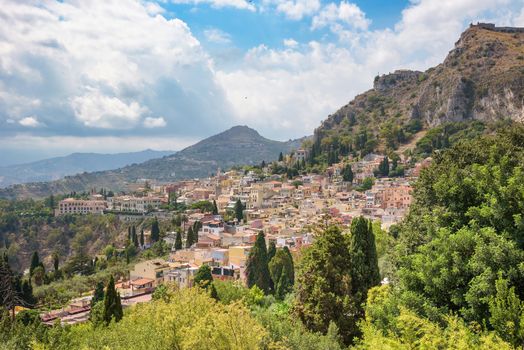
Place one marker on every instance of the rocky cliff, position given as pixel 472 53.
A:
pixel 481 79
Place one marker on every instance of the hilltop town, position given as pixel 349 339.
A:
pixel 288 211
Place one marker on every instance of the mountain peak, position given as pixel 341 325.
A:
pixel 241 129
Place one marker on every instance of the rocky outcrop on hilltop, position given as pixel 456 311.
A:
pixel 481 79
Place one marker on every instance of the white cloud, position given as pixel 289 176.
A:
pixel 99 111
pixel 31 122
pixel 217 36
pixel 238 4
pixel 294 9
pixel 151 122
pixel 346 13
pixel 290 43
pixel 102 64
pixel 289 91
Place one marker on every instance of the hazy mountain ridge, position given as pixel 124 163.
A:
pixel 75 163
pixel 239 145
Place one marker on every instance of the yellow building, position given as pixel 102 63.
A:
pixel 238 255
pixel 150 269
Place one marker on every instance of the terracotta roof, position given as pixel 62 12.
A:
pixel 141 281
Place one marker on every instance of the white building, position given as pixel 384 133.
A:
pixel 80 206
pixel 134 204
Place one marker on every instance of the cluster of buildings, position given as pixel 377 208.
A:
pixel 272 204
pixel 287 211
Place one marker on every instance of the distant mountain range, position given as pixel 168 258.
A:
pixel 239 145
pixel 76 163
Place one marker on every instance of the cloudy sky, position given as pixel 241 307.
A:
pixel 126 75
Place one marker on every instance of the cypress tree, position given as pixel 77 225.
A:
pixel 142 238
pixel 178 239
pixel 215 208
pixel 239 211
pixel 283 286
pixel 257 270
pixel 271 251
pixel 291 265
pixel 347 173
pixel 27 293
pixel 383 167
pixel 323 288
pixel 35 262
pixel 364 263
pixel 282 274
pixel 9 291
pixel 197 225
pixel 280 157
pixel 56 261
pixel 189 237
pixel 112 303
pixel 155 231
pixel 134 237
pixel 98 295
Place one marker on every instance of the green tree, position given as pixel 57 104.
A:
pixel 178 239
pixel 38 275
pixel 10 295
pixel 112 303
pixel 239 211
pixel 142 241
pixel 109 251
pixel 35 262
pixel 27 293
pixel 190 239
pixel 197 225
pixel 203 277
pixel 457 271
pixel 134 237
pixel 96 314
pixel 203 206
pixel 271 250
pixel 347 173
pixel 383 167
pixel 257 270
pixel 155 231
pixel 161 293
pixel 507 313
pixel 282 273
pixel 98 294
pixel 56 260
pixel 364 263
pixel 215 208
pixel 280 157
pixel 323 286
pixel 367 184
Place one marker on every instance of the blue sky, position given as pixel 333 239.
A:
pixel 125 75
pixel 248 29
